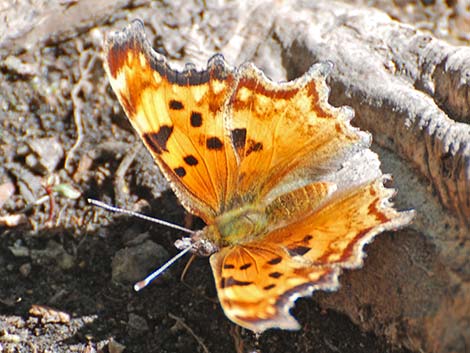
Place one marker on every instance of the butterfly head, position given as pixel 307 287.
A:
pixel 201 242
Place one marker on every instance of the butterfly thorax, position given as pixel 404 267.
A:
pixel 236 226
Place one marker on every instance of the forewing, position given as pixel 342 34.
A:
pixel 179 116
pixel 288 130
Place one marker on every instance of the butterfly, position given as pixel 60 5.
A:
pixel 289 190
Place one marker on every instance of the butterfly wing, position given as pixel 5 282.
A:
pixel 180 117
pixel 259 281
pixel 287 130
pixel 257 284
pixel 226 137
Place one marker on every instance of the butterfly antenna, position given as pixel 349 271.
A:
pixel 147 280
pixel 139 215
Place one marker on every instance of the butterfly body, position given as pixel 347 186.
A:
pixel 240 225
pixel 289 190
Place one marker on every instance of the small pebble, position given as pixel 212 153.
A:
pixel 115 347
pixel 25 269
pixel 46 154
pixel 134 263
pixel 136 325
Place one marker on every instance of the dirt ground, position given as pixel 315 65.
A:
pixel 66 268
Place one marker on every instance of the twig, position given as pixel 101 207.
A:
pixel 237 339
pixel 191 332
pixel 119 185
pixel 85 73
pixel 190 287
pixel 186 267
pixel 49 192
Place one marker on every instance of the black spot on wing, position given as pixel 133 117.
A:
pixel 180 171
pixel 190 160
pixel 307 238
pixel 229 266
pixel 214 143
pixel 269 286
pixel 275 261
pixel 245 266
pixel 230 282
pixel 253 147
pixel 196 119
pixel 298 250
pixel 157 140
pixel 275 274
pixel 239 138
pixel 176 105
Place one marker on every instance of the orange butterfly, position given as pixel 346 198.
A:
pixel 289 190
